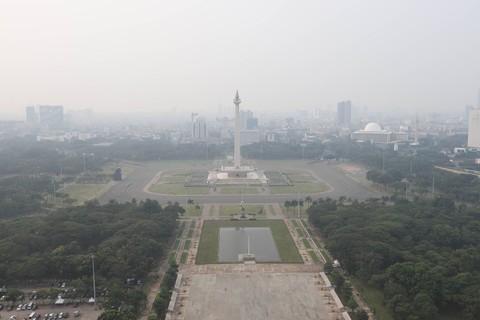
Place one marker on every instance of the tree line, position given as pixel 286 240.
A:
pixel 423 255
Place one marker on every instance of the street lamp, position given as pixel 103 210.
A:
pixel 94 290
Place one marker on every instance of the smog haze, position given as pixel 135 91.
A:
pixel 155 56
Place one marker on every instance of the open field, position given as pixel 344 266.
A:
pixel 303 183
pixel 85 192
pixel 208 247
pixel 173 182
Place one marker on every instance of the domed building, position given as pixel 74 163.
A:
pixel 373 133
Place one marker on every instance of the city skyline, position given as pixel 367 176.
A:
pixel 154 57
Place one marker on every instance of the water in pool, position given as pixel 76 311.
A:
pixel 234 241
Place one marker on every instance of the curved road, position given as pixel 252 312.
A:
pixel 341 184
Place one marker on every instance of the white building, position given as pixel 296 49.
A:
pixel 373 133
pixel 474 129
pixel 199 127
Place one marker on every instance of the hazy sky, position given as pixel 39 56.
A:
pixel 112 55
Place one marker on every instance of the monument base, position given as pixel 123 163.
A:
pixel 236 176
pixel 247 258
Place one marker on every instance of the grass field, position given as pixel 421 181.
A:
pixel 177 188
pixel 208 247
pixel 306 244
pixel 183 257
pixel 314 256
pixel 172 256
pixel 84 192
pixel 173 182
pixel 303 183
pixel 187 245
pixel 249 209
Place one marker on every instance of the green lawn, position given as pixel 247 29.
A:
pixel 194 212
pixel 306 244
pixel 172 256
pixel 188 244
pixel 314 256
pixel 295 223
pixel 374 298
pixel 236 209
pixel 190 233
pixel 175 245
pixel 184 257
pixel 173 182
pixel 208 247
pixel 84 192
pixel 300 232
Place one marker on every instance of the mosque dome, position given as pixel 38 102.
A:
pixel 372 126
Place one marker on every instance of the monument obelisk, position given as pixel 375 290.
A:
pixel 236 151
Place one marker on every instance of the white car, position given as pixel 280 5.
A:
pixel 19 307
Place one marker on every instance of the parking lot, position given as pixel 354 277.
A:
pixel 86 312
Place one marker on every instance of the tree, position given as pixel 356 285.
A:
pixel 287 204
pixel 362 314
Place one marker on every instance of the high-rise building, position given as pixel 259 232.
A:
pixel 252 123
pixel 474 129
pixel 199 127
pixel 466 115
pixel 52 116
pixel 31 114
pixel 244 116
pixel 344 113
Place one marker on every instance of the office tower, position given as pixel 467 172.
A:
pixel 52 116
pixel 199 127
pixel 31 114
pixel 344 113
pixel 474 129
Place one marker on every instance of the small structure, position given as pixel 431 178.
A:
pixel 336 264
pixel 247 258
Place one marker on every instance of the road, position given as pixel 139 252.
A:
pixel 341 184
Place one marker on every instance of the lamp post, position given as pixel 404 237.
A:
pixel 84 163
pixel 94 290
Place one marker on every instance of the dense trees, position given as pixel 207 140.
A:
pixel 424 255
pixel 126 240
pixel 23 194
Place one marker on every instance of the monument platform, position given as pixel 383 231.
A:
pixel 242 175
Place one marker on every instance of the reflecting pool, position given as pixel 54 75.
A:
pixel 234 241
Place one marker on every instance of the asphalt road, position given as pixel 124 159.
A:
pixel 134 186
